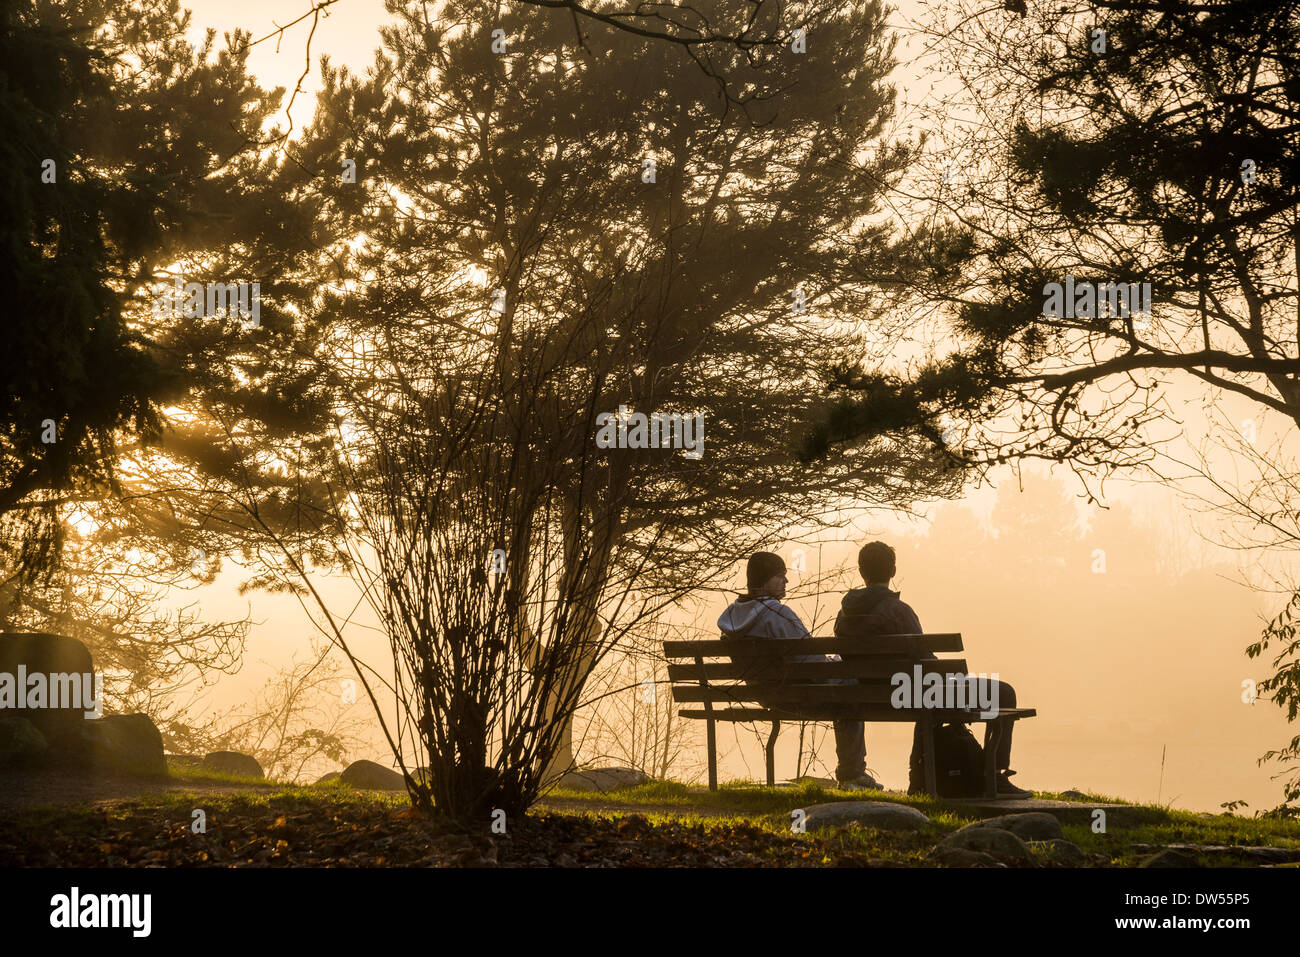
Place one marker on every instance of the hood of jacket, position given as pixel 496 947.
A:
pixel 760 618
pixel 863 601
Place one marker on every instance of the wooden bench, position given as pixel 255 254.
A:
pixel 753 679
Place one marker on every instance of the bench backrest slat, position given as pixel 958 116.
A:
pixel 780 670
pixel 877 692
pixel 899 646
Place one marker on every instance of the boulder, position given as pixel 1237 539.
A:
pixel 881 815
pixel 1029 826
pixel 232 762
pixel 127 743
pixel 603 779
pixel 376 777
pixel 20 740
pixel 1060 851
pixel 1001 845
pixel 961 857
pixel 23 655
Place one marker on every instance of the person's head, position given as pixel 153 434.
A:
pixel 876 563
pixel 765 575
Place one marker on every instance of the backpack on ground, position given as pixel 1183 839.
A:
pixel 958 763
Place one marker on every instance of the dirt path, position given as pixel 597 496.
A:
pixel 62 788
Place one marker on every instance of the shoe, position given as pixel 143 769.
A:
pixel 1008 790
pixel 863 782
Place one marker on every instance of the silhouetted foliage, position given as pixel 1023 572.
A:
pixel 1125 143
pixel 519 274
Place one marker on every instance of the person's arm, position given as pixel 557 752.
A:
pixel 907 621
pixel 909 624
pixel 793 627
pixel 842 629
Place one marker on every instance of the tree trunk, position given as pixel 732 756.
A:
pixel 563 758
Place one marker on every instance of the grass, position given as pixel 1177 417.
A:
pixel 665 802
pixel 770 808
pixel 741 798
pixel 194 774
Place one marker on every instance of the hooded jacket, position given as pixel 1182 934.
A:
pixel 765 618
pixel 875 610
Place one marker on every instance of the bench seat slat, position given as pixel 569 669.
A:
pixel 906 646
pixel 866 691
pixel 875 691
pixel 866 713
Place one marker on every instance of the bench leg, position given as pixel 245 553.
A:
pixel 712 734
pixel 931 775
pixel 993 731
pixel 771 754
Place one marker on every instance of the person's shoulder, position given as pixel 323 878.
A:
pixel 778 607
pixel 902 613
pixel 897 599
pixel 852 597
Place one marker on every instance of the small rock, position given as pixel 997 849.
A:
pixel 1172 857
pixel 20 740
pixel 481 858
pixel 1268 855
pixel 232 762
pixel 1030 826
pixel 1073 795
pixel 602 779
pixel 1060 851
pixel 372 776
pixel 327 778
pixel 1002 845
pixel 961 857
pixel 1260 855
pixel 878 814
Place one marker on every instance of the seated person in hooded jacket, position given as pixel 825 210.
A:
pixel 759 613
